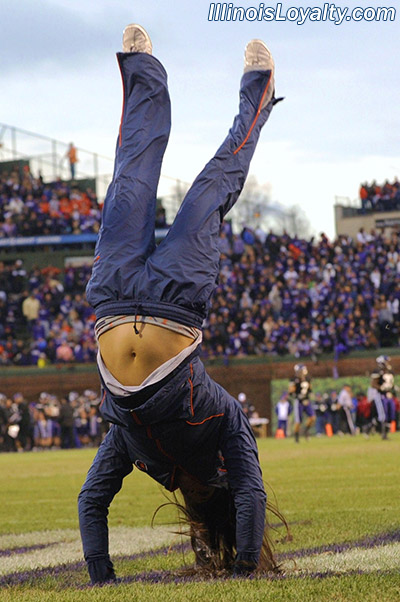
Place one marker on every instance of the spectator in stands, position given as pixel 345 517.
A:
pixel 82 427
pixel 31 307
pixel 94 426
pixel 28 207
pixel 376 197
pixel 66 422
pixel 24 439
pixel 72 156
pixel 43 430
pixel 11 417
pixel 64 352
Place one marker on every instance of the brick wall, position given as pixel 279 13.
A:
pixel 252 376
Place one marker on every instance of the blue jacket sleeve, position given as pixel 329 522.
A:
pixel 239 450
pixel 103 482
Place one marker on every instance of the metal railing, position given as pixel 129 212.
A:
pixel 48 157
pixel 346 201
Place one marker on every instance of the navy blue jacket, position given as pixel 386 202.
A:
pixel 186 423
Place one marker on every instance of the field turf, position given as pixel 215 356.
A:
pixel 341 497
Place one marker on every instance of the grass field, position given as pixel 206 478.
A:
pixel 341 497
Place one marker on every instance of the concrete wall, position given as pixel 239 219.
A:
pixel 350 225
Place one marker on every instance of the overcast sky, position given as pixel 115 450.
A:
pixel 338 126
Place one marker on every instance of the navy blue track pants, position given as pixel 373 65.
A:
pixel 176 279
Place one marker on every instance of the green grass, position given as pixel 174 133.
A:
pixel 345 589
pixel 330 490
pixel 42 488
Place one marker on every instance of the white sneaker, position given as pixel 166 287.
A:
pixel 136 39
pixel 257 57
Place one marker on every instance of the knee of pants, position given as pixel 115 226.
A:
pixel 84 499
pixel 88 498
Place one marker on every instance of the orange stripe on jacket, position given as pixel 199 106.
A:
pixel 256 117
pixel 205 420
pixel 191 389
pixel 136 419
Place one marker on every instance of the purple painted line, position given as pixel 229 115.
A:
pixel 31 576
pixel 26 549
pixel 66 571
pixel 20 577
pixel 165 577
pixel 365 542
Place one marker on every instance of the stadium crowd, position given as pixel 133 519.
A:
pixel 280 295
pixel 44 316
pixel 380 197
pixel 50 422
pixel 276 295
pixel 30 207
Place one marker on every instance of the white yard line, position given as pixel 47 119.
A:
pixel 68 547
pixel 380 558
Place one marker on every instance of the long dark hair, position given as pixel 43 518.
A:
pixel 207 516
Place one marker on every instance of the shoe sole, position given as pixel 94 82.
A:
pixel 269 61
pixel 126 37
